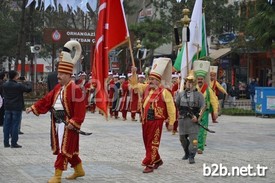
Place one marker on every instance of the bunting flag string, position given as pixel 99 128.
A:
pixel 83 5
pixel 93 4
pixel 65 4
pixel 180 1
pixel 29 3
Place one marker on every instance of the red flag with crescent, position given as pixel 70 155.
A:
pixel 111 32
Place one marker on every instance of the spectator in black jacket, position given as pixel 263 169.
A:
pixel 251 90
pixel 2 110
pixel 52 78
pixel 233 93
pixel 13 94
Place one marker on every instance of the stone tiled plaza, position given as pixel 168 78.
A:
pixel 114 151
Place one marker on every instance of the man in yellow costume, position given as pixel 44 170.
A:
pixel 157 106
pixel 217 88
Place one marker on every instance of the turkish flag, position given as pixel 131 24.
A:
pixel 116 26
pixel 111 32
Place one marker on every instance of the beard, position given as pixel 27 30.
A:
pixel 200 83
pixel 151 85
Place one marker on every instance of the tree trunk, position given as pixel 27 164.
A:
pixel 21 45
pixel 30 30
pixel 273 69
pixel 122 58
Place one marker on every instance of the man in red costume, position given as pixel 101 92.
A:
pixel 142 78
pixel 90 87
pixel 134 106
pixel 157 106
pixel 68 99
pixel 116 96
pixel 82 79
pixel 111 91
pixel 124 99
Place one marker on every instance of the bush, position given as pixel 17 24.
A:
pixel 238 112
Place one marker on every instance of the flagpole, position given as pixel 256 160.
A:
pixel 196 42
pixel 186 33
pixel 198 51
pixel 131 52
pixel 187 59
pixel 185 38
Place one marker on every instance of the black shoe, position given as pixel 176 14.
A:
pixel 20 133
pixel 191 160
pixel 7 145
pixel 16 146
pixel 185 157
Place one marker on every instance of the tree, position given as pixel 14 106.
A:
pixel 158 29
pixel 262 28
pixel 22 27
pixel 8 34
pixel 21 43
pixel 15 17
pixel 219 19
pixel 219 16
pixel 154 31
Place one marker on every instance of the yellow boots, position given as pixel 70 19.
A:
pixel 78 172
pixel 57 177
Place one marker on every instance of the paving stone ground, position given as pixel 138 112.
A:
pixel 113 153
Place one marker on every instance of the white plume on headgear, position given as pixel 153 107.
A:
pixel 66 62
pixel 78 50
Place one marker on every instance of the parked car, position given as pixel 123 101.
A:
pixel 226 38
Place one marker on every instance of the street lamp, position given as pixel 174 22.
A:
pixel 139 45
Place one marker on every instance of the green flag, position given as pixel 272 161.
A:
pixel 177 64
pixel 204 49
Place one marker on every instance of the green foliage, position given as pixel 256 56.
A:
pixel 10 21
pixel 238 112
pixel 129 8
pixel 153 33
pixel 262 25
pixel 219 18
pixel 262 28
pixel 9 24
